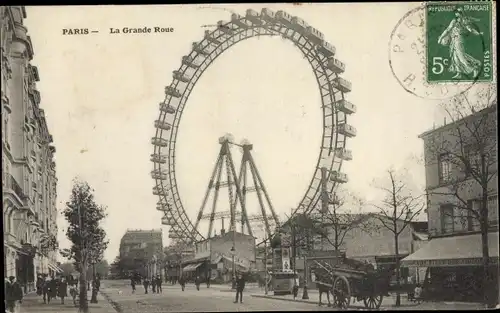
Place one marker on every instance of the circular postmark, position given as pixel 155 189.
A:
pixel 414 68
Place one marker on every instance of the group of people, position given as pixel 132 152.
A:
pixel 53 287
pixel 155 284
pixel 13 294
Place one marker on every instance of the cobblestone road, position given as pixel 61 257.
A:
pixel 173 299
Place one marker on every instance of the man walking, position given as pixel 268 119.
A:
pixel 146 285
pixel 182 282
pixel 62 289
pixel 158 284
pixel 240 286
pixel 132 283
pixel 13 295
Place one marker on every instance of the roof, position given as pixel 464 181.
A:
pixel 487 110
pixel 143 236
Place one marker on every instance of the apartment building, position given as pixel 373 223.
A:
pixel 142 251
pixel 458 156
pixel 28 167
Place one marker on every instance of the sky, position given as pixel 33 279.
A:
pixel 100 93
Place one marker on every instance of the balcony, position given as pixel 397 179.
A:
pixel 14 186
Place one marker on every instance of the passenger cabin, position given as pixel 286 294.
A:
pixel 268 15
pixel 335 66
pixel 299 24
pixel 314 35
pixel 157 141
pixel 338 177
pixel 189 61
pixel 162 125
pixel 284 17
pixel 327 49
pixel 238 20
pixel 208 36
pixel 157 174
pixel 181 77
pixel 174 235
pixel 167 108
pixel 346 106
pixel 171 91
pixel 199 49
pixel 158 158
pixel 156 191
pixel 346 130
pixel 224 27
pixel 167 221
pixel 343 154
pixel 343 84
pixel 253 16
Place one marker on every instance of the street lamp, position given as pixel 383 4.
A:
pixel 233 252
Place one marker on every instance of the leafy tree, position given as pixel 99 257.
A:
pixel 88 238
pixel 68 268
pixel 466 157
pixel 399 207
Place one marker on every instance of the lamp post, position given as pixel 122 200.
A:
pixel 265 266
pixel 233 279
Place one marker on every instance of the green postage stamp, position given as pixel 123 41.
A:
pixel 459 42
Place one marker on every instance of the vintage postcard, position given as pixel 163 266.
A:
pixel 249 157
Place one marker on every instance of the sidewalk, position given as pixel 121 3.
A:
pixel 387 302
pixel 32 303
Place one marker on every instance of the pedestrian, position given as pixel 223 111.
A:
pixel 240 286
pixel 295 290
pixel 197 282
pixel 62 290
pixel 39 285
pixel 145 284
pixel 153 283
pixel 182 282
pixel 73 291
pixel 46 289
pixel 158 284
pixel 132 283
pixel 98 282
pixel 208 281
pixel 13 295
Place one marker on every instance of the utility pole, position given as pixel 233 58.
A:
pixel 265 266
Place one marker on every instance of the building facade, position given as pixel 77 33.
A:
pixel 214 257
pixel 142 251
pixel 28 166
pixel 457 157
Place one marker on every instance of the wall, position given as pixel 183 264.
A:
pixel 361 244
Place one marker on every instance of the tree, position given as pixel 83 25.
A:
pixel 398 208
pixel 339 217
pixel 88 238
pixel 466 154
pixel 67 268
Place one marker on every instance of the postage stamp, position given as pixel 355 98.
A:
pixel 459 42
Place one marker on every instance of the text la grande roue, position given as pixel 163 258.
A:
pixel 142 30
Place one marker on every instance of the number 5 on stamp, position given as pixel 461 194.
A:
pixel 459 37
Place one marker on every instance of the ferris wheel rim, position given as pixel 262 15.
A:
pixel 183 223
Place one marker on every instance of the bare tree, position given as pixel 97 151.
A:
pixel 399 207
pixel 466 156
pixel 340 217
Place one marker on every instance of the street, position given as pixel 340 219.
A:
pixel 173 299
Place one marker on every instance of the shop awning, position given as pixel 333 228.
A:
pixel 55 268
pixel 464 250
pixel 191 267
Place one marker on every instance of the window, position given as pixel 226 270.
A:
pixel 447 219
pixel 493 209
pixel 474 159
pixel 474 223
pixel 444 168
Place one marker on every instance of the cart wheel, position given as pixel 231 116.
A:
pixel 341 293
pixel 373 302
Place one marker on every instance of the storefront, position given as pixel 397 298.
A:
pixel 199 267
pixel 454 267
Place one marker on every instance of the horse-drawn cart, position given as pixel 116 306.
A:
pixel 353 279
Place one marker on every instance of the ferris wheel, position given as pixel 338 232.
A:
pixel 336 109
